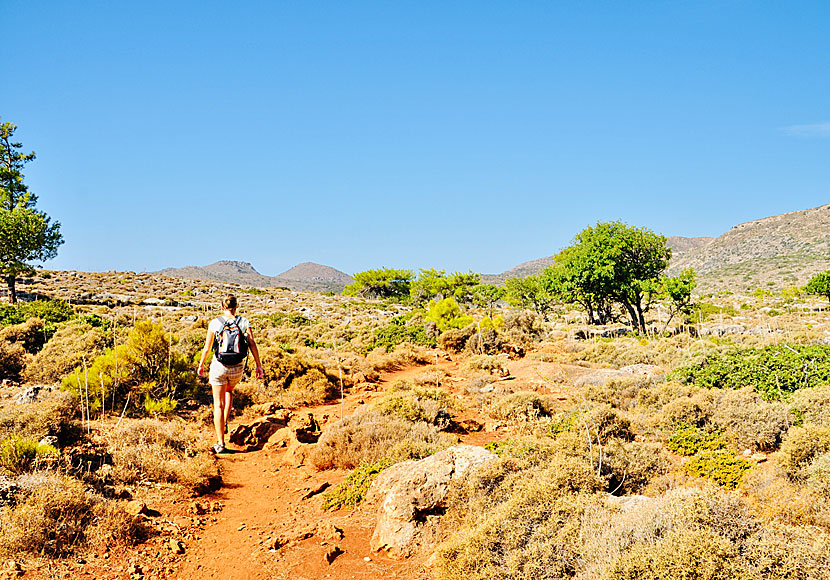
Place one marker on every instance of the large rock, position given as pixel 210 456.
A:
pixel 411 496
pixel 255 435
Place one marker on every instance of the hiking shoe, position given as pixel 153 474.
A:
pixel 218 448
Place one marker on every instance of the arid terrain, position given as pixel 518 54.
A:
pixel 595 454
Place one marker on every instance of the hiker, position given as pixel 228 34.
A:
pixel 230 337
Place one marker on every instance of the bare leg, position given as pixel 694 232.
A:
pixel 219 412
pixel 228 405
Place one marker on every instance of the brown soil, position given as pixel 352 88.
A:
pixel 239 531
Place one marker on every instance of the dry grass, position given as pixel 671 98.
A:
pixel 368 437
pixel 53 414
pixel 55 516
pixel 71 344
pixel 150 450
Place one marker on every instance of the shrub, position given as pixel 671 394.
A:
pixel 812 405
pixel 721 466
pixel 818 475
pixel 369 437
pixel 163 452
pixel 145 365
pixel 630 466
pixel 688 440
pixel 749 421
pixel 19 454
pixel 446 314
pixel 523 406
pixel 412 403
pixel 523 327
pixel 491 364
pixel 294 380
pixel 403 328
pixel 800 447
pixel 31 335
pixel 72 343
pixel 51 415
pixel 353 489
pixel 12 361
pixel 773 371
pixel 51 520
pixel 684 554
pixel 51 312
pixel 456 339
pixel 606 423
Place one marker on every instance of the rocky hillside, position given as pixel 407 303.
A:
pixel 772 252
pixel 305 276
pixel 221 271
pixel 681 245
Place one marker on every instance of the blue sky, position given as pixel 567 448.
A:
pixel 457 135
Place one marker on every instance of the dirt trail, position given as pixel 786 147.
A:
pixel 262 500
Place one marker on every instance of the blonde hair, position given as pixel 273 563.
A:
pixel 229 302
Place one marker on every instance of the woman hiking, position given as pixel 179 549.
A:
pixel 230 337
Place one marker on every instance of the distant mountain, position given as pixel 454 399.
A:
pixel 311 276
pixel 221 271
pixel 305 276
pixel 523 270
pixel 772 252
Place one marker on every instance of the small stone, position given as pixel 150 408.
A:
pixel 136 507
pixel 176 546
pixel 331 554
pixel 367 559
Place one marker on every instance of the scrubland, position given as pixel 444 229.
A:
pixel 701 452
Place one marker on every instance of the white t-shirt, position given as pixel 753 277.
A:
pixel 216 325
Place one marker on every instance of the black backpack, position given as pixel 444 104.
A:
pixel 231 345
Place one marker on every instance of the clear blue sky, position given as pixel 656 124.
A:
pixel 457 135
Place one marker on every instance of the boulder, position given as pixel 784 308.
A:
pixel 255 435
pixel 411 497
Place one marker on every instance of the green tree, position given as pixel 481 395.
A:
pixel 678 291
pixel 26 234
pixel 614 262
pixel 819 285
pixel 380 283
pixel 13 191
pixel 486 296
pixel 532 292
pixel 432 284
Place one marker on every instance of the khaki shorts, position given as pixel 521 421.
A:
pixel 222 375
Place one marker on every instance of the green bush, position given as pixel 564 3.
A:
pixel 688 440
pixel 146 365
pixel 773 371
pixel 353 489
pixel 403 328
pixel 446 314
pixel 53 311
pixel 719 465
pixel 19 454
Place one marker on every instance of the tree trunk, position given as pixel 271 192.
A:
pixel 10 280
pixel 635 322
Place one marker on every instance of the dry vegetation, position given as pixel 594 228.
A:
pixel 612 463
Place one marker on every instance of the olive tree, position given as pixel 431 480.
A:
pixel 612 262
